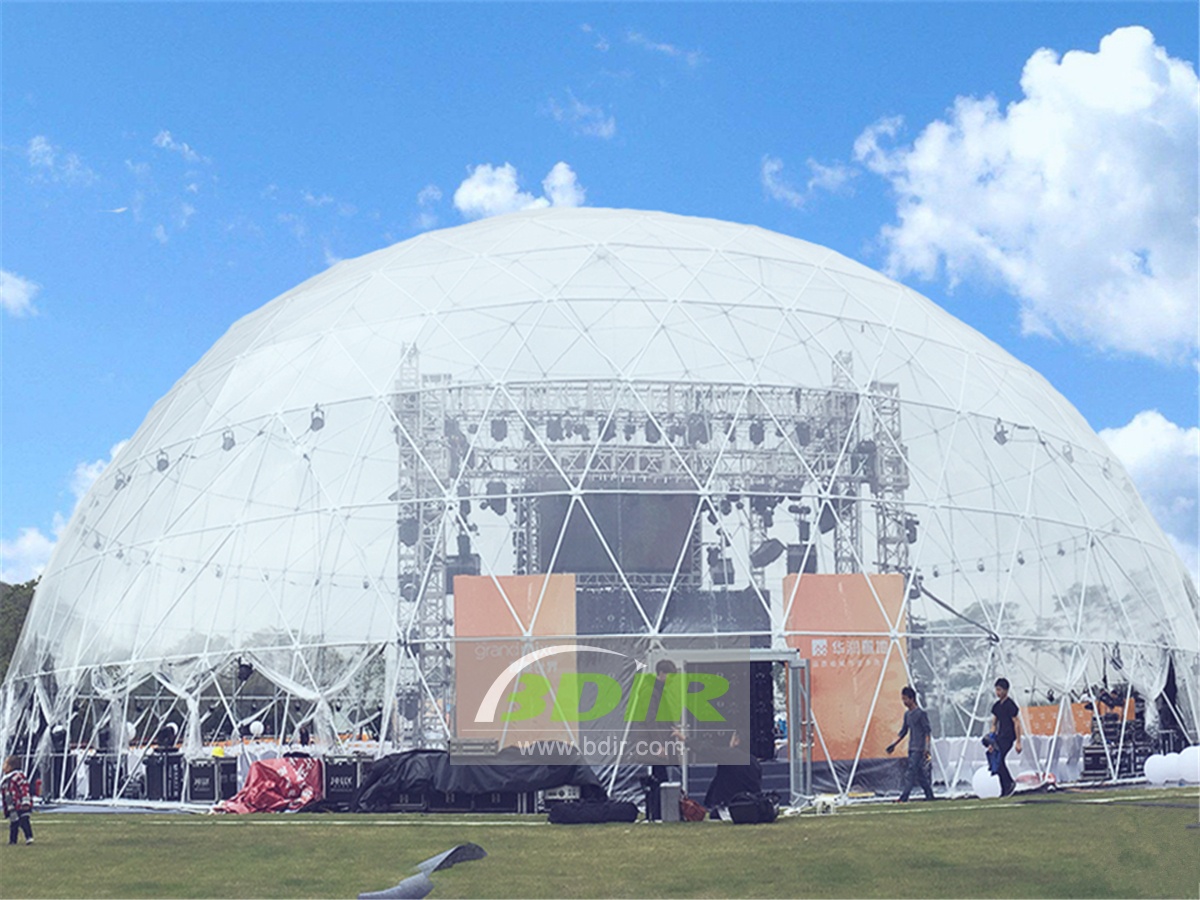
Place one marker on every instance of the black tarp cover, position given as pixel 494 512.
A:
pixel 422 771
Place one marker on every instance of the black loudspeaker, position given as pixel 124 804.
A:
pixel 341 779
pixel 164 777
pixel 102 776
pixel 801 558
pixel 202 781
pixel 60 784
pixel 500 802
pixel 227 778
pixel 449 801
pixel 762 711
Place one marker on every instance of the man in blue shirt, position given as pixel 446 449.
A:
pixel 1006 725
pixel 916 727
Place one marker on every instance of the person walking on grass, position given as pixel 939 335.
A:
pixel 916 728
pixel 18 802
pixel 1006 725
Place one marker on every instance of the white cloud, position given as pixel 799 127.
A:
pixel 562 187
pixel 823 178
pixel 312 200
pixel 494 190
pixel 692 57
pixel 1081 198
pixel 50 163
pixel 25 556
pixel 86 473
pixel 16 294
pixel 295 224
pixel 1163 459
pixel 160 233
pixel 589 121
pixel 601 41
pixel 164 141
pixel 427 199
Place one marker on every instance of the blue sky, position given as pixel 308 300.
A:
pixel 169 168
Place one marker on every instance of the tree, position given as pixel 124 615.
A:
pixel 14 607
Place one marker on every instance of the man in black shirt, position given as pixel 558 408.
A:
pixel 1006 725
pixel 916 726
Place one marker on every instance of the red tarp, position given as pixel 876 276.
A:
pixel 277 785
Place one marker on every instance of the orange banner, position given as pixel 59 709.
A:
pixel 1045 719
pixel 489 610
pixel 841 624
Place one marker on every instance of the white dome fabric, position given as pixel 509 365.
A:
pixel 294 501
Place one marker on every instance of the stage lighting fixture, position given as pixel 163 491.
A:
pixel 585 433
pixel 244 671
pixel 697 429
pixel 408 531
pixel 726 506
pixel 720 567
pixel 162 462
pixel 910 529
pixel 227 441
pixel 914 588
pixel 499 429
pixel 827 521
pixel 1068 453
pixel 766 553
pixel 554 428
pixel 1001 433
pixel 757 432
pixel 979 565
pixel 497 497
pixel 935 572
pixel 1061 551
pixel 804 433
pixel 1020 559
pixel 317 421
pixel 630 430
pixel 610 431
pixel 121 480
pixel 653 434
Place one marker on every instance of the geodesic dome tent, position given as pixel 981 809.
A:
pixel 597 423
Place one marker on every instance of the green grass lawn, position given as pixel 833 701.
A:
pixel 1132 843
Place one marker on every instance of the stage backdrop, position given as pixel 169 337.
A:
pixel 852 615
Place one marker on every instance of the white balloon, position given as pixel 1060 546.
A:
pixel 1156 769
pixel 986 785
pixel 1189 764
pixel 1174 769
pixel 256 728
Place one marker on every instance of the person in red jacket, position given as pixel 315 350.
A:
pixel 18 802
